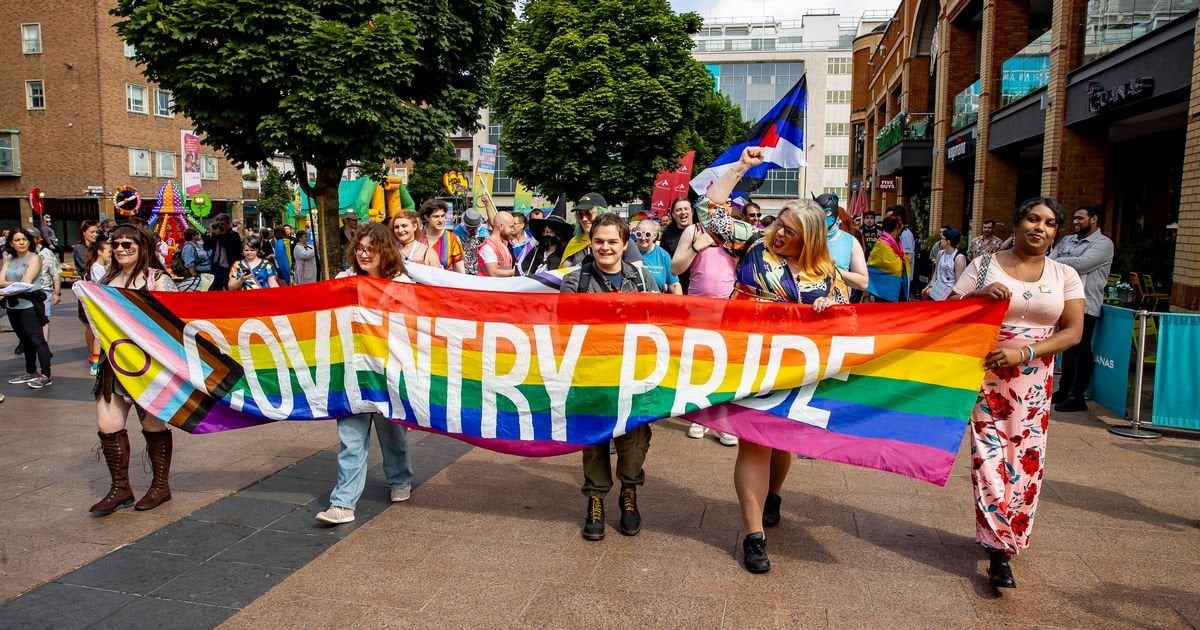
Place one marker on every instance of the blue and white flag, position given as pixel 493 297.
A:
pixel 781 135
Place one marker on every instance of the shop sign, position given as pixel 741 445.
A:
pixel 960 147
pixel 887 182
pixel 1101 98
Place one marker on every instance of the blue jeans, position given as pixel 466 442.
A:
pixel 354 432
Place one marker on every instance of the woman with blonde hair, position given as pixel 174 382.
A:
pixel 406 228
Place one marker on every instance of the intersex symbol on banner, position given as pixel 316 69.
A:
pixel 455 182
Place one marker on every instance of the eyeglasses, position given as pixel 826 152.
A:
pixel 123 244
pixel 363 251
pixel 640 234
pixel 787 230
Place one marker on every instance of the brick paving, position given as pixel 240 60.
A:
pixel 491 540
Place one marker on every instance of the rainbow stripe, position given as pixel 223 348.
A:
pixel 885 386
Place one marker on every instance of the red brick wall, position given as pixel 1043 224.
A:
pixel 1185 291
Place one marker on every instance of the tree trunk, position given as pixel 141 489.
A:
pixel 329 224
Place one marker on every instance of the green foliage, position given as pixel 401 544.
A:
pixel 426 180
pixel 273 197
pixel 602 94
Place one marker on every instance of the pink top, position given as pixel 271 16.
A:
pixel 713 272
pixel 1033 304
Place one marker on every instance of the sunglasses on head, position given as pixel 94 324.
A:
pixel 123 244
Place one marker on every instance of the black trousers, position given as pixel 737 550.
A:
pixel 29 334
pixel 1077 362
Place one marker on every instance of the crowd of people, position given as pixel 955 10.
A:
pixel 808 253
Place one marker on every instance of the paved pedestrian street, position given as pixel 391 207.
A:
pixel 492 541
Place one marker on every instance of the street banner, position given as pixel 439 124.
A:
pixel 671 184
pixel 190 150
pixel 1111 342
pixel 523 200
pixel 1175 398
pixel 539 374
pixel 482 178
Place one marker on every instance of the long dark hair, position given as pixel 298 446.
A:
pixel 30 235
pixel 93 253
pixel 146 259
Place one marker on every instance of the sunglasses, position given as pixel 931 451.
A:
pixel 754 216
pixel 640 234
pixel 123 244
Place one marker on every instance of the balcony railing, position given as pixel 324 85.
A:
pixel 966 107
pixel 1111 24
pixel 1026 71
pixel 904 126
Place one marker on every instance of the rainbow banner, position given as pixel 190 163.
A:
pixel 537 374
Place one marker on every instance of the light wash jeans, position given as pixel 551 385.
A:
pixel 354 432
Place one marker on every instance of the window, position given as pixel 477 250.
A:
pixel 208 167
pixel 164 163
pixel 837 129
pixel 31 39
pixel 837 96
pixel 135 98
pixel 10 153
pixel 130 51
pixel 837 161
pixel 839 65
pixel 35 94
pixel 840 192
pixel 139 162
pixel 399 171
pixel 164 104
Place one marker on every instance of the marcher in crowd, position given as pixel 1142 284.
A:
pixel 1090 254
pixel 305 256
pixel 471 232
pixel 1011 418
pixel 88 231
pixel 986 243
pixel 948 265
pixel 869 231
pixel 47 233
pixel 681 216
pixel 132 268
pixel 494 254
pixel 51 283
pixel 753 213
pixel 253 271
pixel 521 236
pixel 888 266
pixel 655 259
pixel 374 255
pixel 224 246
pixel 347 231
pixel 607 272
pixel 26 310
pixel 445 244
pixel 281 247
pixel 907 241
pixel 844 246
pixel 552 234
pixel 195 258
pixel 406 228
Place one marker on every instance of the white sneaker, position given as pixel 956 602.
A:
pixel 696 431
pixel 401 494
pixel 336 515
pixel 726 438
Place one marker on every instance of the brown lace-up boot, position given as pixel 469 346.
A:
pixel 115 447
pixel 158 447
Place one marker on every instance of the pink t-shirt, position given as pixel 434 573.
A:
pixel 713 272
pixel 1033 304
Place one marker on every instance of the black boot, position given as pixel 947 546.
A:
pixel 631 519
pixel 754 553
pixel 593 525
pixel 771 510
pixel 1000 571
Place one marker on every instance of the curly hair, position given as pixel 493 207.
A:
pixel 383 245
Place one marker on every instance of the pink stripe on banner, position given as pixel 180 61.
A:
pixel 911 460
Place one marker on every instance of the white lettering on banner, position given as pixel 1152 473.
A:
pixel 493 384
pixel 750 366
pixel 766 399
pixel 315 388
pixel 629 385
pixel 256 328
pixel 557 376
pixel 454 331
pixel 350 357
pixel 687 392
pixel 415 368
pixel 191 351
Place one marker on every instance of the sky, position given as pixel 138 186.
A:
pixel 780 9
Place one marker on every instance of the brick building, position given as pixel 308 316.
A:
pixel 78 119
pixel 977 105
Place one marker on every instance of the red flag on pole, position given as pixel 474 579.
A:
pixel 670 185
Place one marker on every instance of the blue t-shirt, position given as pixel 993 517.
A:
pixel 658 263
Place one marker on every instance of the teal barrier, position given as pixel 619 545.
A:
pixel 1177 377
pixel 1112 342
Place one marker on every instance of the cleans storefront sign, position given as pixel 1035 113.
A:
pixel 1101 98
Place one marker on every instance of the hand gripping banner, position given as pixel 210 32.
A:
pixel 537 374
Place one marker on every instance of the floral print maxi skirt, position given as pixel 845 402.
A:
pixel 1008 444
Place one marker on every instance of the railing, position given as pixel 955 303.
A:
pixel 1110 24
pixel 966 107
pixel 752 44
pixel 1026 71
pixel 904 126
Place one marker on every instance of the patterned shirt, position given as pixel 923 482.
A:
pixel 983 245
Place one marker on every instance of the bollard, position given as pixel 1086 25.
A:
pixel 1136 430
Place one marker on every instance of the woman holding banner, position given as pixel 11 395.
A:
pixel 134 266
pixel 373 253
pixel 1010 419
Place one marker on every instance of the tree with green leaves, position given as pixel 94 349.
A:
pixel 601 95
pixel 327 82
pixel 426 180
pixel 273 197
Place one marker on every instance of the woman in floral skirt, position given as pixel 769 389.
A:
pixel 1011 418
